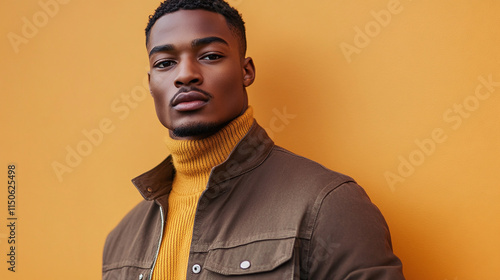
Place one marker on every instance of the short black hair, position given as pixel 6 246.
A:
pixel 232 16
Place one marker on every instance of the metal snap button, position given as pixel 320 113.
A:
pixel 141 276
pixel 150 190
pixel 245 265
pixel 196 268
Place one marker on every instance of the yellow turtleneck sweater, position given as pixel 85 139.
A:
pixel 193 160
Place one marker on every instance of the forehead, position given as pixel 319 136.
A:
pixel 183 26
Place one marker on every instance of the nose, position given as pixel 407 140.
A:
pixel 189 73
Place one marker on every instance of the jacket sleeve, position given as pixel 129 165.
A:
pixel 350 239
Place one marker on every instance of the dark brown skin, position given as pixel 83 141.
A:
pixel 197 74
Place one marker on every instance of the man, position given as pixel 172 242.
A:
pixel 228 203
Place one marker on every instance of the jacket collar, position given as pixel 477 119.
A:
pixel 250 152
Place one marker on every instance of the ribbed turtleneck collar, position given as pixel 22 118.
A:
pixel 194 159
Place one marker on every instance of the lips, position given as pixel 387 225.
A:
pixel 189 101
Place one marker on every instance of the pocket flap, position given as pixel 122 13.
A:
pixel 258 256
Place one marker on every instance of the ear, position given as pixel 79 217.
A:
pixel 248 72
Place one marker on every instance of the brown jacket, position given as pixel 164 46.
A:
pixel 266 214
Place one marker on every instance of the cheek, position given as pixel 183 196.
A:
pixel 161 101
pixel 230 81
pixel 160 108
pixel 159 91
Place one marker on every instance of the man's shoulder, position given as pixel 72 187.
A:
pixel 297 166
pixel 289 155
pixel 258 156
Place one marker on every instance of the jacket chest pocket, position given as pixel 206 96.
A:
pixel 265 259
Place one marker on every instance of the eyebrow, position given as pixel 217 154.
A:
pixel 207 41
pixel 195 43
pixel 161 48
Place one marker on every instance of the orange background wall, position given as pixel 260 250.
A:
pixel 402 95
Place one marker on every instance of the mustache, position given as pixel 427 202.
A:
pixel 191 88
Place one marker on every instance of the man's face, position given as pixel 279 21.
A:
pixel 197 75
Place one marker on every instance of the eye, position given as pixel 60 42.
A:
pixel 164 64
pixel 211 56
